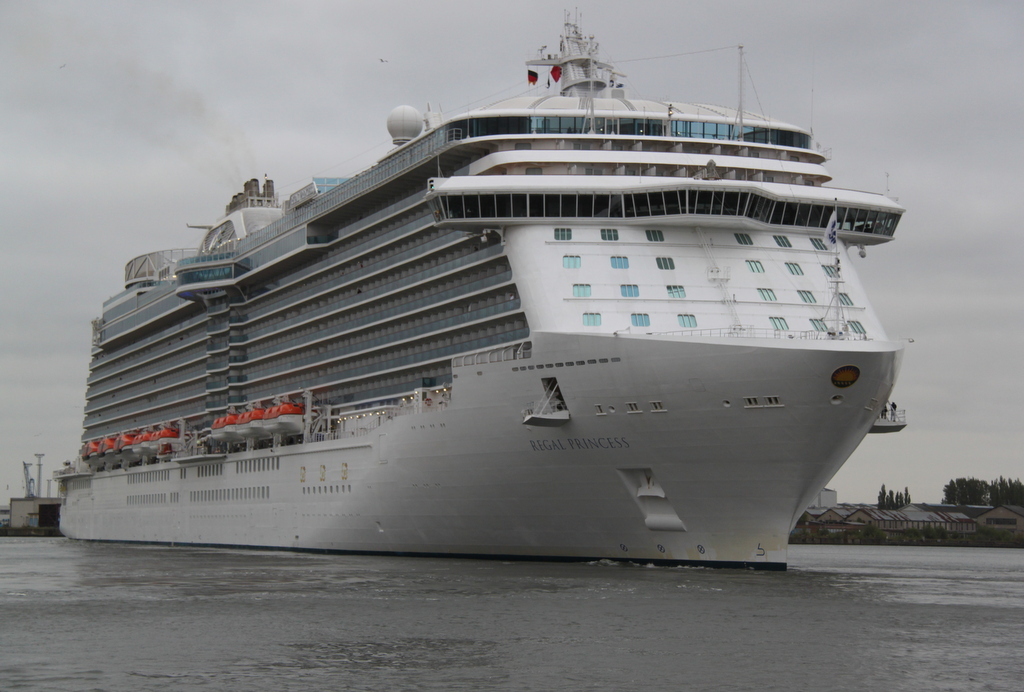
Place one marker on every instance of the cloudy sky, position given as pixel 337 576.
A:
pixel 121 122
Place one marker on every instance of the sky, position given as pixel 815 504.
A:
pixel 121 122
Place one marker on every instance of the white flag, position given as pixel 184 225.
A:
pixel 832 230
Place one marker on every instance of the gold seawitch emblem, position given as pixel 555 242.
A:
pixel 845 376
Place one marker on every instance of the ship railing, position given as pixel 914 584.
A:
pixel 428 146
pixel 897 416
pixel 742 331
pixel 545 407
pixel 71 469
pixel 495 355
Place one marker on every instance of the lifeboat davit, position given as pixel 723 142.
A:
pixel 146 443
pixel 108 446
pixel 225 429
pixel 126 447
pixel 92 454
pixel 284 419
pixel 250 424
pixel 169 436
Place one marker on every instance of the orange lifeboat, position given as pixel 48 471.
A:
pixel 225 428
pixel 92 454
pixel 171 436
pixel 250 424
pixel 147 442
pixel 126 447
pixel 285 419
pixel 108 445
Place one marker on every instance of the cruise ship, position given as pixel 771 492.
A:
pixel 570 325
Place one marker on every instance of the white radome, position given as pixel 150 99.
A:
pixel 404 123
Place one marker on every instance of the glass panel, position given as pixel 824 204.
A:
pixel 455 208
pixel 553 205
pixel 518 206
pixel 844 223
pixel 601 204
pixel 862 216
pixel 569 205
pixel 730 203
pixel 615 209
pixel 671 202
pixel 585 206
pixel 741 209
pixel 869 223
pixel 703 203
pixel 657 201
pixel 536 205
pixel 716 202
pixel 503 206
pixel 487 206
pixel 630 209
pixel 815 215
pixel 641 203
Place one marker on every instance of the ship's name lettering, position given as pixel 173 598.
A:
pixel 575 443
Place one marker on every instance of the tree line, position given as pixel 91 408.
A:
pixel 963 491
pixel 893 500
pixel 974 491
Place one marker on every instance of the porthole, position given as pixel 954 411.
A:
pixel 726 403
pixel 837 399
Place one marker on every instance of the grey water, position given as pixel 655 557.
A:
pixel 82 616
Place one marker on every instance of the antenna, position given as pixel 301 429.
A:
pixel 739 112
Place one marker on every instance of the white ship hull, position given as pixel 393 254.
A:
pixel 697 480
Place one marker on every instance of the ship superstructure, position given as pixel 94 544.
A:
pixel 568 326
